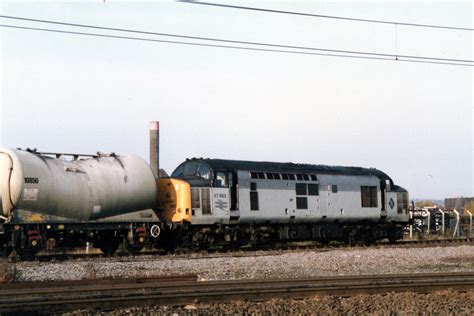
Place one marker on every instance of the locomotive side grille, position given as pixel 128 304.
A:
pixel 206 201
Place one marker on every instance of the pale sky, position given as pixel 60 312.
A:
pixel 71 93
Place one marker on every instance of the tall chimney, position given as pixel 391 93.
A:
pixel 155 148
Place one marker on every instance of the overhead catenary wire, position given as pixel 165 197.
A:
pixel 327 16
pixel 227 41
pixel 232 47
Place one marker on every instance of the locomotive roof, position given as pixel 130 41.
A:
pixel 289 167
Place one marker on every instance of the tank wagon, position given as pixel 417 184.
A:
pixel 48 201
pixel 236 202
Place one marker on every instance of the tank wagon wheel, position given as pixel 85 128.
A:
pixel 6 251
pixel 26 254
pixel 133 248
pixel 109 247
pixel 107 243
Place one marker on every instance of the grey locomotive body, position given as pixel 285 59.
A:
pixel 286 201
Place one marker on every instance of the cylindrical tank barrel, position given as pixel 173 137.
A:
pixel 80 189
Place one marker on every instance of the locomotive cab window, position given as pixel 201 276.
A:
pixel 204 171
pixel 190 168
pixel 221 180
pixel 334 188
pixel 178 173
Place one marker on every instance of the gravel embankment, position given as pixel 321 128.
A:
pixel 347 261
pixel 287 264
pixel 440 303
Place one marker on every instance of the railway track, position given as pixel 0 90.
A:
pixel 179 290
pixel 250 251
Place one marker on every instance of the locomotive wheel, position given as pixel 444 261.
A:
pixel 392 235
pixel 392 238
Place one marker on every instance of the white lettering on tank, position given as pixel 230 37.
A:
pixel 30 194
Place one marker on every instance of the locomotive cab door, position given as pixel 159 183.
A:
pixel 234 195
pixel 384 185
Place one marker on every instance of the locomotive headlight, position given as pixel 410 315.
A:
pixel 34 243
pixel 141 239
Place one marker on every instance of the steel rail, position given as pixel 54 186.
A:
pixel 131 293
pixel 247 252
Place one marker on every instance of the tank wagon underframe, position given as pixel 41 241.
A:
pixel 29 238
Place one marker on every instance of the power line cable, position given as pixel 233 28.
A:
pixel 327 16
pixel 279 46
pixel 232 47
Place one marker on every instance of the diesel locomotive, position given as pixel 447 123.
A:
pixel 237 202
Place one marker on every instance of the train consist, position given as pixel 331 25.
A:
pixel 57 201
